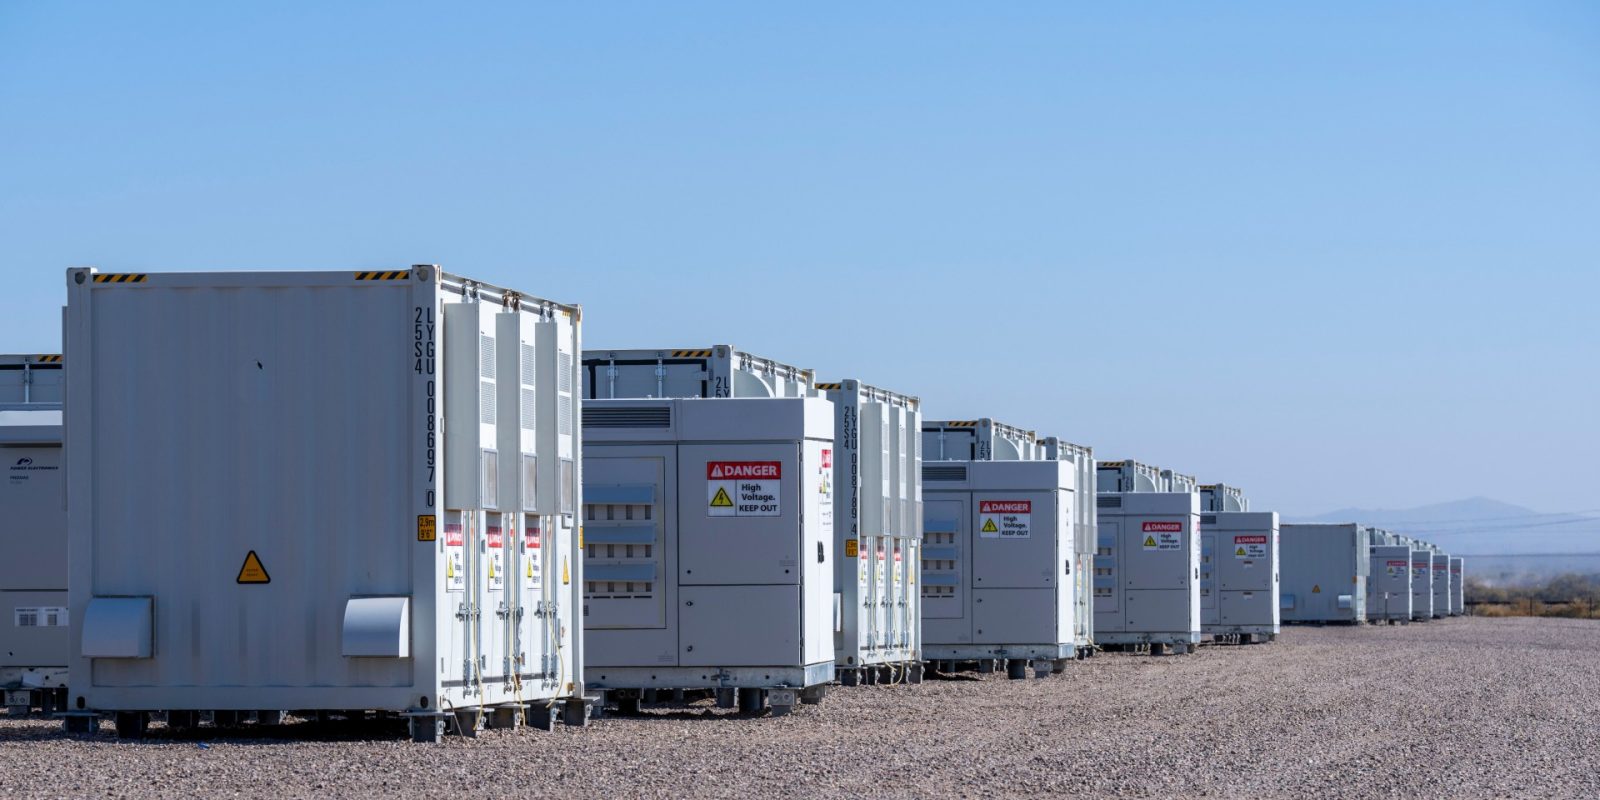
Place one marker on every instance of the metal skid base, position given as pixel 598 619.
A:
pixel 899 672
pixel 1044 660
pixel 1155 644
pixel 752 689
pixel 1240 634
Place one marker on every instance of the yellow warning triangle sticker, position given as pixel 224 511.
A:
pixel 1240 553
pixel 252 571
pixel 530 568
pixel 491 569
pixel 1316 589
pixel 988 526
pixel 449 568
pixel 566 578
pixel 1149 541
pixel 721 500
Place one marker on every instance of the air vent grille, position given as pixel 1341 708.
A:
pixel 944 472
pixel 1108 501
pixel 650 417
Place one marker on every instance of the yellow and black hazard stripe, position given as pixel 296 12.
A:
pixel 830 387
pixel 963 424
pixel 1113 464
pixel 47 359
pixel 389 275
pixel 691 354
pixel 121 277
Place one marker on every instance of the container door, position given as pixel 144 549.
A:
pixel 1208 577
pixel 739 523
pixel 1014 541
pixel 1107 576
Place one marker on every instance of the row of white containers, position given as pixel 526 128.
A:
pixel 404 446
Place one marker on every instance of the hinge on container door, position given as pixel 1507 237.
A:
pixel 503 611
pixel 463 612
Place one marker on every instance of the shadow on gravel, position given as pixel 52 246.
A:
pixel 293 731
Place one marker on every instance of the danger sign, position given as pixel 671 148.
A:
pixel 1250 547
pixel 744 488
pixel 1163 535
pixel 1005 519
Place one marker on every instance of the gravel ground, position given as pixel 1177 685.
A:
pixel 1457 708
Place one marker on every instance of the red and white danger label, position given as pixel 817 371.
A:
pixel 744 488
pixel 1249 539
pixel 494 536
pixel 1163 527
pixel 827 459
pixel 730 470
pixel 1005 519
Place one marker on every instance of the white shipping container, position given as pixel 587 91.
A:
pixel 719 371
pixel 1458 598
pixel 977 440
pixel 322 490
pixel 877 467
pixel 1324 570
pixel 1421 583
pixel 1441 585
pixel 1084 526
pixel 998 564
pixel 709 549
pixel 34 623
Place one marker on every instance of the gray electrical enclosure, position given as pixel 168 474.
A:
pixel 34 630
pixel 709 547
pixel 1390 595
pixel 1146 566
pixel 1458 598
pixel 1442 593
pixel 719 371
pixel 1085 523
pixel 877 470
pixel 1324 568
pixel 1239 575
pixel 998 563
pixel 321 490
pixel 1421 584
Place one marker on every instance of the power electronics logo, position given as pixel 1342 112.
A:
pixel 24 461
pixel 25 464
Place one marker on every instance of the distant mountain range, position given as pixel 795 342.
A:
pixel 1482 526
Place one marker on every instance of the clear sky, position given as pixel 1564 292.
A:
pixel 1341 254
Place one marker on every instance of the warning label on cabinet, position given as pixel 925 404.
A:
pixel 1250 547
pixel 1163 535
pixel 744 489
pixel 455 573
pixel 1005 519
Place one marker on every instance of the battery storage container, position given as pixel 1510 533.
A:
pixel 1239 575
pixel 977 440
pixel 1390 594
pixel 1458 605
pixel 718 371
pixel 321 491
pixel 997 564
pixel 1146 565
pixel 1421 583
pixel 1324 570
pixel 877 481
pixel 1084 524
pixel 709 548
pixel 34 629
pixel 1441 585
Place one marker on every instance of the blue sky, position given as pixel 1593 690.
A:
pixel 1339 255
